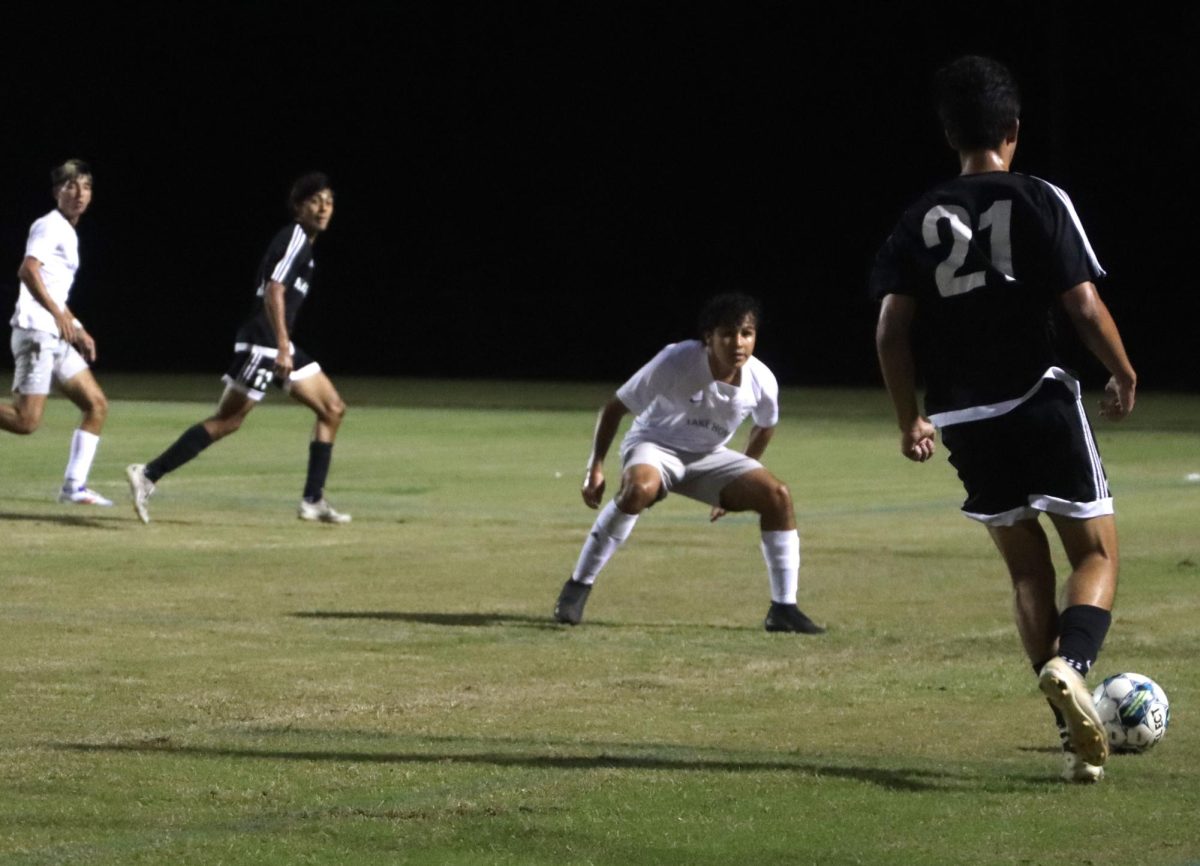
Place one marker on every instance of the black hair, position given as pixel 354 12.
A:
pixel 727 309
pixel 305 187
pixel 978 102
pixel 67 172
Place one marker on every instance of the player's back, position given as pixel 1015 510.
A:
pixel 985 256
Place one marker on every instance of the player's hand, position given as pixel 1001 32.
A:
pixel 917 442
pixel 66 327
pixel 85 345
pixel 593 487
pixel 282 366
pixel 716 514
pixel 1119 398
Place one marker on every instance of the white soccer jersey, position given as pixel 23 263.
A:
pixel 54 243
pixel 679 405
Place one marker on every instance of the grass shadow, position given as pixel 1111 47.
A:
pixel 478 620
pixel 74 520
pixel 911 780
pixel 471 620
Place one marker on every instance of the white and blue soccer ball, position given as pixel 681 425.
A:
pixel 1135 711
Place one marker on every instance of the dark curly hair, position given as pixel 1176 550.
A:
pixel 305 187
pixel 978 102
pixel 728 309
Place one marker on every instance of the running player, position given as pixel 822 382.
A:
pixel 968 280
pixel 264 353
pixel 689 401
pixel 48 342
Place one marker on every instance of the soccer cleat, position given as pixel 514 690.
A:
pixel 569 607
pixel 1075 769
pixel 788 617
pixel 1066 690
pixel 81 496
pixel 142 489
pixel 322 511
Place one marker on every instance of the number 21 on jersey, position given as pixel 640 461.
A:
pixel 998 218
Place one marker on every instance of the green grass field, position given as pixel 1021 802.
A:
pixel 229 685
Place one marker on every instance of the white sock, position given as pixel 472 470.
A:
pixel 781 550
pixel 79 464
pixel 608 533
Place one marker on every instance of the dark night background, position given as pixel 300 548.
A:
pixel 549 191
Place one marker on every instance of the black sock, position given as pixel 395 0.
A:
pixel 1081 632
pixel 319 456
pixel 194 440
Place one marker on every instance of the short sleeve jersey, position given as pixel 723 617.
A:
pixel 985 256
pixel 54 243
pixel 289 261
pixel 679 405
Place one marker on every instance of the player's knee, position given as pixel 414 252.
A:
pixel 335 411
pixel 23 425
pixel 776 498
pixel 636 495
pixel 97 408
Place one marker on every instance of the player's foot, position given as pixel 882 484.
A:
pixel 320 510
pixel 788 617
pixel 142 489
pixel 569 607
pixel 1076 769
pixel 1066 690
pixel 81 496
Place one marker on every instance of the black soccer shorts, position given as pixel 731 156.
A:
pixel 1041 456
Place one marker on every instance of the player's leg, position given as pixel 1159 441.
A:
pixel 82 389
pixel 235 404
pixel 316 391
pixel 231 411
pixel 1026 552
pixel 641 486
pixel 760 491
pixel 24 415
pixel 33 370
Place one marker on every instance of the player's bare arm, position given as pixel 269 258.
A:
pixel 273 296
pixel 30 273
pixel 893 343
pixel 607 423
pixel 760 438
pixel 1095 326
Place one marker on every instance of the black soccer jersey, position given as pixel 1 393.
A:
pixel 985 256
pixel 289 260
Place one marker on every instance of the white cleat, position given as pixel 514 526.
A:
pixel 322 511
pixel 1066 690
pixel 82 496
pixel 142 489
pixel 1076 769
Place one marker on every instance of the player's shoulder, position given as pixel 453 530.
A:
pixel 53 221
pixel 290 234
pixel 761 375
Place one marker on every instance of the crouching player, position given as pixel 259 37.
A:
pixel 689 401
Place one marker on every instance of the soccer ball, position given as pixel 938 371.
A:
pixel 1135 711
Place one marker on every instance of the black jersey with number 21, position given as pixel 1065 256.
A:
pixel 986 257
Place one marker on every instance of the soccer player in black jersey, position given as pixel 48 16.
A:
pixel 264 353
pixel 968 281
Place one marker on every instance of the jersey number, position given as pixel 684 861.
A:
pixel 998 218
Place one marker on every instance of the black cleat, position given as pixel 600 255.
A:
pixel 788 617
pixel 569 607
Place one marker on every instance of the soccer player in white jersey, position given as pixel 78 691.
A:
pixel 263 354
pixel 967 281
pixel 48 342
pixel 689 401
